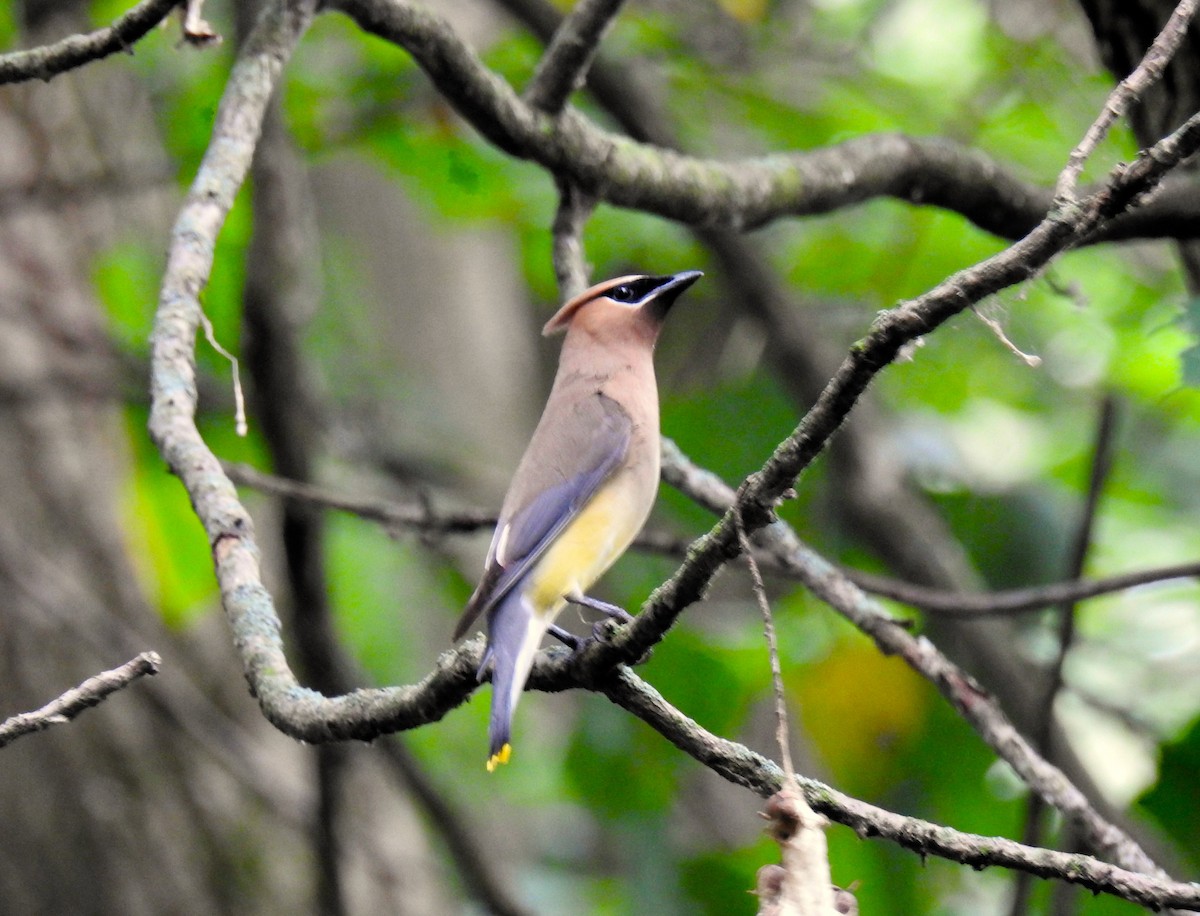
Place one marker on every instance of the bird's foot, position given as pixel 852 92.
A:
pixel 614 616
pixel 602 630
pixel 608 610
pixel 570 640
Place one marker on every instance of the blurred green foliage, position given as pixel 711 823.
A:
pixel 616 814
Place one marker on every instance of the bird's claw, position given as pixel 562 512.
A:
pixel 603 630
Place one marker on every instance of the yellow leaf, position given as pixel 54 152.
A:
pixel 745 10
pixel 859 708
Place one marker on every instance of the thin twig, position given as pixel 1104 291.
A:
pixel 805 887
pixel 90 693
pixel 76 50
pixel 1102 461
pixel 416 515
pixel 241 427
pixel 1102 458
pixel 1031 360
pixel 1017 600
pixel 764 607
pixel 1128 91
pixel 688 479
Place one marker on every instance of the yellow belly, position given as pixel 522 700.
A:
pixel 587 547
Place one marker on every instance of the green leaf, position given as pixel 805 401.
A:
pixel 1175 798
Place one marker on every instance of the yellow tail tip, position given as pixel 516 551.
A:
pixel 501 756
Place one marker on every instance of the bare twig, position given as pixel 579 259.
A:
pixel 1029 359
pixel 235 376
pixel 570 265
pixel 50 60
pixel 1145 75
pixel 416 515
pixel 764 607
pixel 563 67
pixel 1017 600
pixel 90 693
pixel 1102 457
pixel 706 489
pixel 805 887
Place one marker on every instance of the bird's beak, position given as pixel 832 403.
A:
pixel 670 289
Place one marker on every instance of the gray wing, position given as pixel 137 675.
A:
pixel 576 447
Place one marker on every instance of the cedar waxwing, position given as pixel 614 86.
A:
pixel 584 487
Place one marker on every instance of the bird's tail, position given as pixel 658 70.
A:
pixel 514 632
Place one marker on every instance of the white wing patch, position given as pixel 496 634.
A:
pixel 501 547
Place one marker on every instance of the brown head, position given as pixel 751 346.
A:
pixel 622 309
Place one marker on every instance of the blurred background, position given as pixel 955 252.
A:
pixel 384 278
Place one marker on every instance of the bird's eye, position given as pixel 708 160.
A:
pixel 622 293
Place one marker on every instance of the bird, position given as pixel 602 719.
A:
pixel 584 487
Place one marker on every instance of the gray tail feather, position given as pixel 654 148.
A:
pixel 508 630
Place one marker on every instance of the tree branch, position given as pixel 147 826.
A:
pixel 1128 91
pixel 888 335
pixel 746 193
pixel 368 713
pixel 570 266
pixel 1016 600
pixel 1042 734
pixel 564 65
pixel 92 692
pixel 74 51
pixel 706 489
pixel 742 766
pixel 977 707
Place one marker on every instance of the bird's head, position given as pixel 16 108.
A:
pixel 634 304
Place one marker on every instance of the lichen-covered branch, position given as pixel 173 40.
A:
pixel 92 692
pixel 743 766
pixel 748 192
